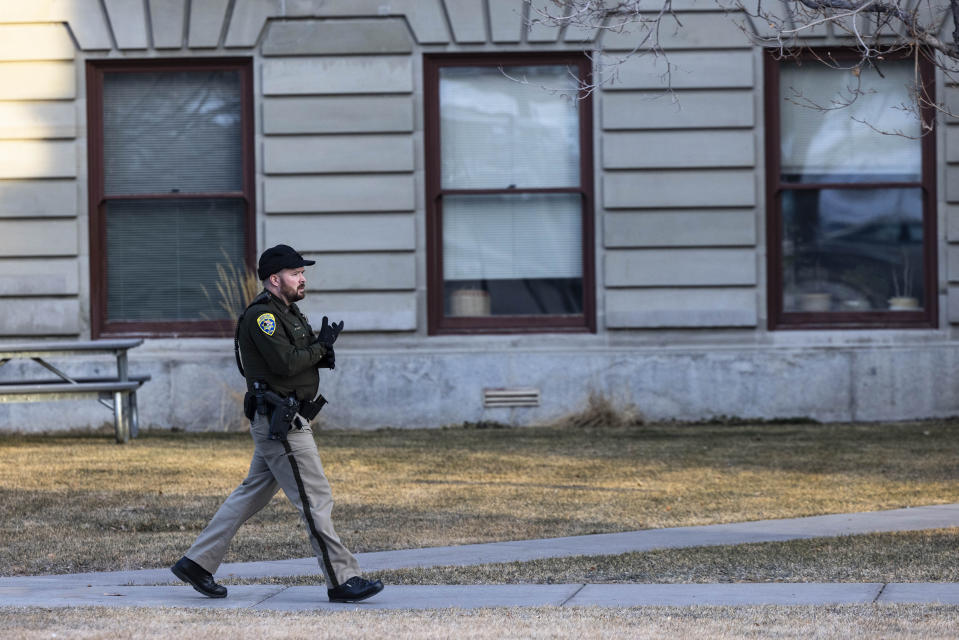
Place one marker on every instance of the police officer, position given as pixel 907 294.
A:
pixel 277 347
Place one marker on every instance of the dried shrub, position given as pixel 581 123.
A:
pixel 235 287
pixel 602 411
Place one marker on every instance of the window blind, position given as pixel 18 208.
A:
pixel 512 237
pixel 830 142
pixel 497 131
pixel 168 132
pixel 162 253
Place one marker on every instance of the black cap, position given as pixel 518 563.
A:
pixel 278 258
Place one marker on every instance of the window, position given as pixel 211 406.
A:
pixel 509 193
pixel 851 208
pixel 171 192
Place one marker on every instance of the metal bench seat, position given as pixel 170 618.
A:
pixel 122 387
pixel 104 388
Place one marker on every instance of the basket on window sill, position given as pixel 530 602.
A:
pixel 469 302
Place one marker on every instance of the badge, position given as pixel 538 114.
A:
pixel 267 323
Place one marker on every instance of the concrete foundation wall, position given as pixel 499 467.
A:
pixel 198 388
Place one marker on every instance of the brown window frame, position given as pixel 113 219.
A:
pixel 101 326
pixel 438 322
pixel 928 316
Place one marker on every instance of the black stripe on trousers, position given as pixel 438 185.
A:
pixel 308 514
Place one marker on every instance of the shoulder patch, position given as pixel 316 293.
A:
pixel 267 323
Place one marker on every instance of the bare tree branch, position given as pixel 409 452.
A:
pixel 922 34
pixel 894 27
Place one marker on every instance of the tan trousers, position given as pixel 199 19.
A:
pixel 271 470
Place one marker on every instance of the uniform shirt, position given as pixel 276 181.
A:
pixel 276 345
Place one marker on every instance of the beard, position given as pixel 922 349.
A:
pixel 292 294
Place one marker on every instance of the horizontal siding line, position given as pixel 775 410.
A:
pixel 650 129
pixel 340 55
pixel 354 172
pixel 665 52
pixel 33 60
pixel 33 336
pixel 376 54
pixel 354 291
pixel 44 258
pixel 38 296
pixel 677 167
pixel 680 11
pixel 35 217
pixel 734 127
pixel 666 209
pixel 274 214
pixel 40 100
pixel 683 209
pixel 687 8
pixel 674 169
pixel 293 214
pixel 667 287
pixel 680 91
pixel 677 247
pixel 360 252
pixel 339 253
pixel 40 138
pixel 344 134
pixel 38 256
pixel 665 89
pixel 323 134
pixel 17 60
pixel 333 97
pixel 41 179
pixel 365 174
pixel 291 96
pixel 703 169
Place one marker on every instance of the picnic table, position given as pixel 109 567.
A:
pixel 121 387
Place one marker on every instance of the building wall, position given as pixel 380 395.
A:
pixel 679 173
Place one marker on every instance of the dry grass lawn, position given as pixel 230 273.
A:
pixel 78 503
pixel 913 556
pixel 917 556
pixel 695 623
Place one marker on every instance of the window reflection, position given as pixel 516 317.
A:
pixel 833 121
pixel 850 194
pixel 509 252
pixel 512 254
pixel 852 249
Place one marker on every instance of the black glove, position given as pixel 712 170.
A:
pixel 329 332
pixel 328 361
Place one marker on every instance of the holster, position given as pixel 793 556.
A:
pixel 281 411
pixel 310 408
pixel 249 405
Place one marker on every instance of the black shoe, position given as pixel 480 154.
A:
pixel 354 590
pixel 201 579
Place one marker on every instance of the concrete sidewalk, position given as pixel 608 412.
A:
pixel 129 588
pixel 313 598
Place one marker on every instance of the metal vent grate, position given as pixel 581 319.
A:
pixel 510 398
